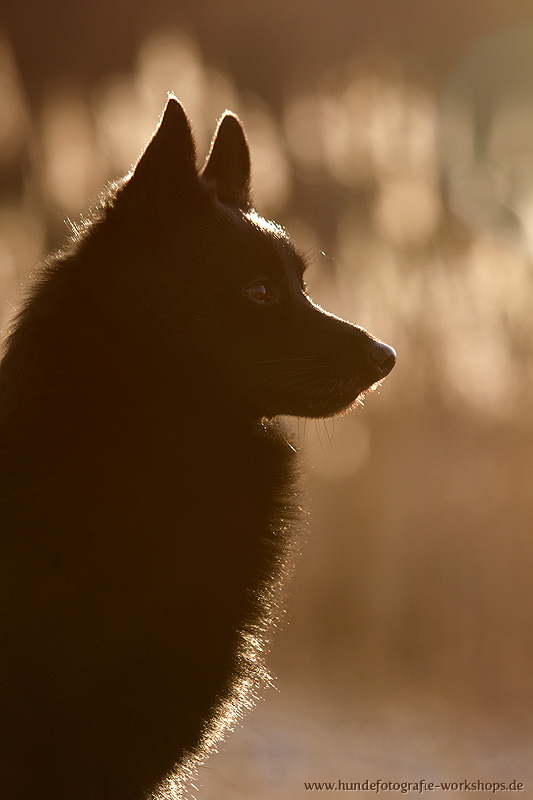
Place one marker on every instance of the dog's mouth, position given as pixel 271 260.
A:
pixel 339 395
pixel 337 400
pixel 331 397
pixel 318 387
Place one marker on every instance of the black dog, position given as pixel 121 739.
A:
pixel 146 491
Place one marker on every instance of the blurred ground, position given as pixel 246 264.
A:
pixel 413 740
pixel 395 142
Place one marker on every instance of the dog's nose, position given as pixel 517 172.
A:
pixel 383 356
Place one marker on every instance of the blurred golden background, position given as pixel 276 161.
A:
pixel 394 140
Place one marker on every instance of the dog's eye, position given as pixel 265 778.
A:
pixel 261 293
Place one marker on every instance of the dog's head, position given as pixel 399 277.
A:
pixel 228 286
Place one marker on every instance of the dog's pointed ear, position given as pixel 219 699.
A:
pixel 168 164
pixel 228 163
